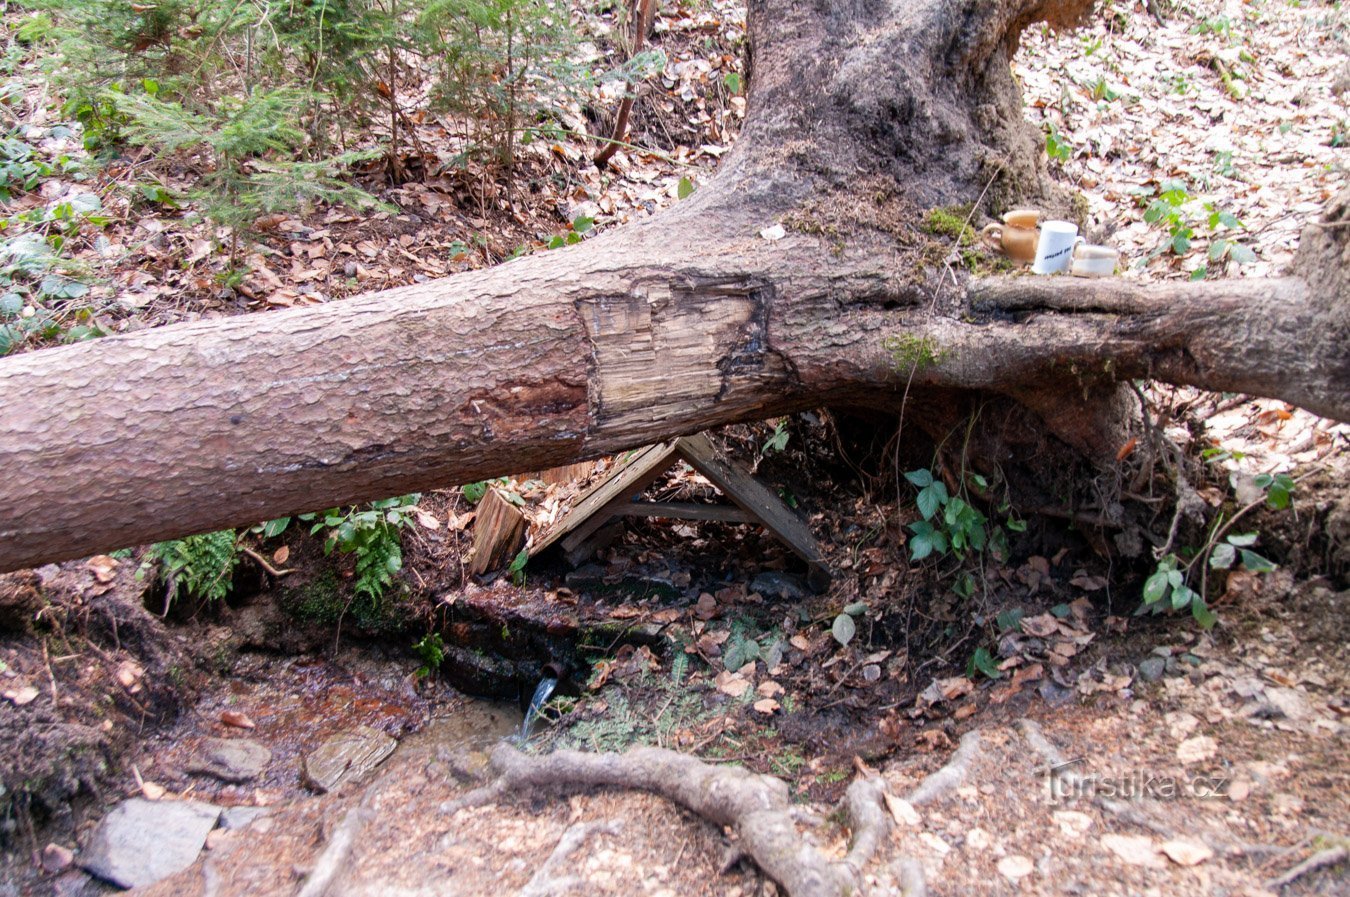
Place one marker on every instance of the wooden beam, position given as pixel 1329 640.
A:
pixel 754 498
pixel 637 474
pixel 679 510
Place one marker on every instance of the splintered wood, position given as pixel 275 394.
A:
pixel 498 533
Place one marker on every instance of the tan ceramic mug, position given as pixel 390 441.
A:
pixel 1016 237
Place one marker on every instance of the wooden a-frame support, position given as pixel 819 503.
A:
pixel 594 519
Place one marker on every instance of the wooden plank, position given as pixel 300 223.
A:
pixel 753 497
pixel 567 473
pixel 680 510
pixel 620 486
pixel 604 537
pixel 498 531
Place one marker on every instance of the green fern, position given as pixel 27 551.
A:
pixel 201 567
pixel 373 535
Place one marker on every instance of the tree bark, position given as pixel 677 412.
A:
pixel 863 117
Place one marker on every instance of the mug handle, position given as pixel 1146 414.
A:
pixel 992 234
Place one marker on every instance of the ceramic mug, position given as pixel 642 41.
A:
pixel 1016 237
pixel 1017 243
pixel 1093 261
pixel 1055 247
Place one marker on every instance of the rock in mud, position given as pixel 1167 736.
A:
pixel 141 842
pixel 231 759
pixel 776 584
pixel 346 757
pixel 238 817
pixel 1151 669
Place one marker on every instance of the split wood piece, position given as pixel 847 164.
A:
pixel 582 530
pixel 567 473
pixel 498 533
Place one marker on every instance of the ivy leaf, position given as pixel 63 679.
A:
pixel 920 478
pixel 1156 587
pixel 1203 615
pixel 844 629
pixel 274 528
pixel 1222 557
pixel 1255 563
pixel 985 663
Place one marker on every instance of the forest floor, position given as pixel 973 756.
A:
pixel 1198 761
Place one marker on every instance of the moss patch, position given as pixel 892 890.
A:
pixel 913 353
pixel 950 222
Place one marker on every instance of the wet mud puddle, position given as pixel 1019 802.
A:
pixel 288 728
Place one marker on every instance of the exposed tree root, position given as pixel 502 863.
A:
pixel 547 881
pixel 333 861
pixel 946 779
pixel 756 806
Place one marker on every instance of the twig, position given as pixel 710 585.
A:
pixel 1320 860
pixel 262 562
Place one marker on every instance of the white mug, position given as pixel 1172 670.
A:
pixel 1094 261
pixel 1055 247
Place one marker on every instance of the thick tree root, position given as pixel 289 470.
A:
pixel 757 807
pixel 946 779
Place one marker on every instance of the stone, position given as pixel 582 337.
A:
pixel 56 858
pixel 1014 867
pixel 777 584
pixel 231 759
pixel 1186 853
pixel 1197 749
pixel 141 841
pixel 346 757
pixel 1137 850
pixel 238 817
pixel 1151 669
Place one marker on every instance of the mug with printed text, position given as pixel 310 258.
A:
pixel 1055 247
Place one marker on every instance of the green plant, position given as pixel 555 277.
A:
pixel 911 353
pixel 431 649
pixel 371 534
pixel 575 233
pixel 516 569
pixel 1169 587
pixel 1166 211
pixel 949 522
pixel 251 144
pixel 778 440
pixel 42 287
pixel 1057 146
pixel 202 567
pixel 983 662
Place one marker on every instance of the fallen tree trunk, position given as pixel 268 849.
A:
pixel 862 120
